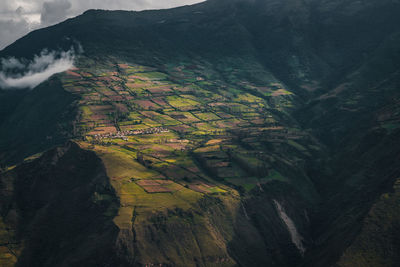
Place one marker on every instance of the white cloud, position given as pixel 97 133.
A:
pixel 31 74
pixel 12 64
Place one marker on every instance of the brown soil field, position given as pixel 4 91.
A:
pixel 108 93
pixel 160 101
pixel 158 186
pixel 279 92
pixel 92 97
pixel 164 182
pixel 147 182
pixel 218 104
pixel 86 74
pixel 121 107
pixel 181 128
pixel 99 117
pixel 224 115
pixel 160 89
pixel 123 66
pixel 258 121
pixel 74 74
pixel 202 188
pixel 131 77
pixel 177 146
pixel 146 104
pixel 103 130
pixel 117 98
pixel 101 109
pixel 184 89
pixel 157 189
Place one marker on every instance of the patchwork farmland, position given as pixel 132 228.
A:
pixel 171 134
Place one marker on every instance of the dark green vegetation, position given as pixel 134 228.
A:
pixel 250 133
pixel 63 195
pixel 34 121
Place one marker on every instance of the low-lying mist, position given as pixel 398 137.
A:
pixel 21 73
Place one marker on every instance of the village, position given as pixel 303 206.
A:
pixel 123 134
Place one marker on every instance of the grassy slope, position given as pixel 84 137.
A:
pixel 378 242
pixel 52 209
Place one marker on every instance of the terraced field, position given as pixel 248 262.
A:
pixel 168 135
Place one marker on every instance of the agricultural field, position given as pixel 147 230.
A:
pixel 168 136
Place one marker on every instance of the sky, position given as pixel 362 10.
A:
pixel 18 17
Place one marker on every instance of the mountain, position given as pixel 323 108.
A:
pixel 226 133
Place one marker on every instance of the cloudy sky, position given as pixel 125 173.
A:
pixel 18 17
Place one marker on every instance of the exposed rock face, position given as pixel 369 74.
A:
pixel 297 239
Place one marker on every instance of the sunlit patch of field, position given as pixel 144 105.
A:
pixel 207 116
pixel 281 92
pixel 159 186
pixel 103 130
pixel 160 90
pixel 231 123
pixel 214 142
pixel 182 103
pixel 210 148
pixel 186 117
pixel 248 98
pixel 150 123
pixel 160 118
pixel 207 127
pixel 139 187
pixel 205 188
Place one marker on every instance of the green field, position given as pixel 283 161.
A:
pixel 192 133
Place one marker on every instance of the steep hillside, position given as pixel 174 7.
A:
pixel 35 120
pixel 378 242
pixel 250 133
pixel 54 206
pixel 186 148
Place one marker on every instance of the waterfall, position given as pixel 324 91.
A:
pixel 297 239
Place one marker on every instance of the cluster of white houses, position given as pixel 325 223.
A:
pixel 123 134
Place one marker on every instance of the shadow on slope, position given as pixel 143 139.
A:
pixel 64 205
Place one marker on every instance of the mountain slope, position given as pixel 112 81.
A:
pixel 250 133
